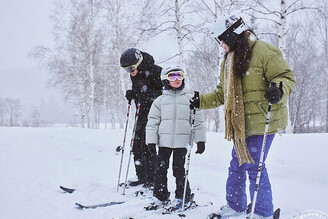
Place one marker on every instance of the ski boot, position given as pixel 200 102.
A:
pixel 225 212
pixel 155 204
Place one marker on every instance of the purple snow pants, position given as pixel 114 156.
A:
pixel 236 182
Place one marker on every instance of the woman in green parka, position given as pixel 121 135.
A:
pixel 247 72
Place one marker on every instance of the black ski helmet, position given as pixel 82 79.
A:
pixel 130 57
pixel 166 82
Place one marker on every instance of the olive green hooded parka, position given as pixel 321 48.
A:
pixel 266 65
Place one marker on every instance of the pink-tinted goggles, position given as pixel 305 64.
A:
pixel 173 75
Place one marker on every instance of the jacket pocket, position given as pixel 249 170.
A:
pixel 263 108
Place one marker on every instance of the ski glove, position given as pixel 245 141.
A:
pixel 194 101
pixel 200 147
pixel 152 149
pixel 130 94
pixel 273 94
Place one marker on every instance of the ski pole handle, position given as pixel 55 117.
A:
pixel 274 84
pixel 194 101
pixel 196 96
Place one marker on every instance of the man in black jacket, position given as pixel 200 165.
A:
pixel 146 87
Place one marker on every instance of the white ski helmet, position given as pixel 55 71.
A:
pixel 226 24
pixel 164 75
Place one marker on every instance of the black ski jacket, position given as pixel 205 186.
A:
pixel 147 86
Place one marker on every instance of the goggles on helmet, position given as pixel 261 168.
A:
pixel 232 28
pixel 219 41
pixel 132 68
pixel 173 75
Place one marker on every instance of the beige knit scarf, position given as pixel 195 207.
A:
pixel 234 111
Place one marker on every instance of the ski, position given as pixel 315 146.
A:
pixel 153 206
pixel 140 193
pixel 188 206
pixel 80 206
pixel 68 190
pixel 276 214
pixel 191 206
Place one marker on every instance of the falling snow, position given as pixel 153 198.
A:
pixel 35 161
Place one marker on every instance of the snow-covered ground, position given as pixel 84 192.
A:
pixel 34 162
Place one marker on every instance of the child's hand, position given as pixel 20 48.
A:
pixel 200 147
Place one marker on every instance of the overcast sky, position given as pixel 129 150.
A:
pixel 23 24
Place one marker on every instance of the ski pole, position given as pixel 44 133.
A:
pixel 123 145
pixel 188 157
pixel 131 147
pixel 262 153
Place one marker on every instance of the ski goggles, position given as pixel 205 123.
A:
pixel 232 28
pixel 134 67
pixel 219 41
pixel 174 75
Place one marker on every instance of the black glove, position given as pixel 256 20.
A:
pixel 152 149
pixel 273 94
pixel 200 147
pixel 130 94
pixel 195 101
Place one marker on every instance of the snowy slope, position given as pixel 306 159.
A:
pixel 34 162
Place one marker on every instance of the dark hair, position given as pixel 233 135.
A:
pixel 242 51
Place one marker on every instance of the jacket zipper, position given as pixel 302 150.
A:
pixel 175 119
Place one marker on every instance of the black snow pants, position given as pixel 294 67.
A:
pixel 144 162
pixel 162 165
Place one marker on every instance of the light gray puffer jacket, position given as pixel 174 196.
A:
pixel 169 121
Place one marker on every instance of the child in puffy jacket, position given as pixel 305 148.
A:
pixel 169 127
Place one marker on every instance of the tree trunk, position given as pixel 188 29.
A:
pixel 282 47
pixel 92 95
pixel 326 62
pixel 326 93
pixel 179 40
pixel 282 28
pixel 91 69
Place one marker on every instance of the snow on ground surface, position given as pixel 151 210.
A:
pixel 34 162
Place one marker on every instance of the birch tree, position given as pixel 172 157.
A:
pixel 205 59
pixel 305 101
pixel 124 30
pixel 270 14
pixel 75 60
pixel 321 36
pixel 203 67
pixel 14 109
pixel 2 112
pixel 177 21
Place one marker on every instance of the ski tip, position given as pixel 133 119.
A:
pixel 65 189
pixel 276 214
pixel 79 206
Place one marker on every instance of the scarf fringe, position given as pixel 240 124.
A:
pixel 234 112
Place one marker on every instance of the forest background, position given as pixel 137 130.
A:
pixel 81 62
